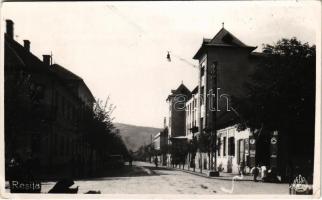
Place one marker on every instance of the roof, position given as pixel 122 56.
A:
pixel 226 118
pixel 65 74
pixel 182 89
pixel 195 90
pixel 26 58
pixel 30 62
pixel 259 55
pixel 222 39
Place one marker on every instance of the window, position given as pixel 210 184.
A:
pixel 219 146
pixel 202 90
pixel 213 69
pixel 201 123
pixel 240 151
pixel 231 146
pixel 224 150
pixel 202 71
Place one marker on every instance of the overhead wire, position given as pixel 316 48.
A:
pixel 141 30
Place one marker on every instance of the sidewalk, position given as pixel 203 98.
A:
pixel 222 175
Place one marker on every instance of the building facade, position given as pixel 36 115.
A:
pixel 225 65
pixel 44 104
pixel 176 123
pixel 177 115
pixel 160 145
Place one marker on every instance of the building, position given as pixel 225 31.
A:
pixel 234 149
pixel 160 145
pixel 177 115
pixel 44 103
pixel 177 122
pixel 192 113
pixel 225 65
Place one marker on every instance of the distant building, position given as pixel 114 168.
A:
pixel 177 115
pixel 177 123
pixel 192 113
pixel 160 145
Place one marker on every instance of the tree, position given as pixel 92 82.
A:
pixel 100 132
pixel 282 94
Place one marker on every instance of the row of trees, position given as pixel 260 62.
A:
pixel 100 132
pixel 282 96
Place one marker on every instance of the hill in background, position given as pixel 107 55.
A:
pixel 136 136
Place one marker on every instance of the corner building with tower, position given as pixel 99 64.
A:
pixel 225 65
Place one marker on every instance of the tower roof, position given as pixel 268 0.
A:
pixel 222 39
pixel 182 89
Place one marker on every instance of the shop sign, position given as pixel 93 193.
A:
pixel 273 140
pixel 252 141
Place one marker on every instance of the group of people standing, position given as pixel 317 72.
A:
pixel 265 174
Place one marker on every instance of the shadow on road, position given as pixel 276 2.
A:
pixel 159 168
pixel 128 171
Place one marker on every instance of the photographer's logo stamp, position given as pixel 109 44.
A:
pixel 299 185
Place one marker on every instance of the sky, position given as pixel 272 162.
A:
pixel 119 48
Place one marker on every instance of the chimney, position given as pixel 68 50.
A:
pixel 46 59
pixel 26 44
pixel 9 28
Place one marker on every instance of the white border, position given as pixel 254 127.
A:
pixel 317 160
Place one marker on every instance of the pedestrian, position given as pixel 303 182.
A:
pixel 156 161
pixel 272 175
pixel 263 173
pixel 255 172
pixel 130 161
pixel 242 167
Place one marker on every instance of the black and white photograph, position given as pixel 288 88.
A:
pixel 168 99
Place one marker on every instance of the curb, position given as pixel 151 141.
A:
pixel 205 176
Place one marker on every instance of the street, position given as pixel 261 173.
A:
pixel 144 178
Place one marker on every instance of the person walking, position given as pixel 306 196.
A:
pixel 263 173
pixel 242 167
pixel 130 161
pixel 156 161
pixel 255 172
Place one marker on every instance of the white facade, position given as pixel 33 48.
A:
pixel 191 115
pixel 156 141
pixel 233 149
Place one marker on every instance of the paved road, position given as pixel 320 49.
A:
pixel 144 178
